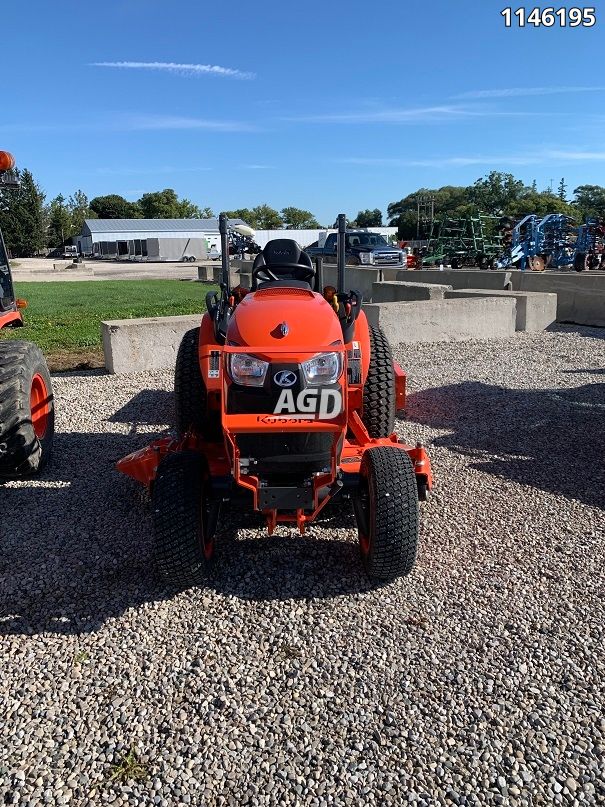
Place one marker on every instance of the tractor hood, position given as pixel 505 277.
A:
pixel 284 318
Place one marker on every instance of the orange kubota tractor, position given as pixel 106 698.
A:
pixel 26 397
pixel 286 394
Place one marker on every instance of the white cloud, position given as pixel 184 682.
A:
pixel 181 69
pixel 163 122
pixel 518 92
pixel 430 114
pixel 120 122
pixel 529 158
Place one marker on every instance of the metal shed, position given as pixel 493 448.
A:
pixel 149 239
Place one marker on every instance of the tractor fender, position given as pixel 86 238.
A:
pixel 362 335
pixel 208 345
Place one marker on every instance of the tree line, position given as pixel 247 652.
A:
pixel 31 226
pixel 497 194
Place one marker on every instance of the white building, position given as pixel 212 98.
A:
pixel 149 239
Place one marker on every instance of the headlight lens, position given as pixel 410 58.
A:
pixel 247 370
pixel 325 368
pixel 366 257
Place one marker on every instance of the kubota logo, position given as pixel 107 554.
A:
pixel 285 378
pixel 309 404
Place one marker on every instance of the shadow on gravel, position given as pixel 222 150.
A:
pixel 287 565
pixel 149 407
pixel 589 331
pixel 75 545
pixel 548 439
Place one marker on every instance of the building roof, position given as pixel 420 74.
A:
pixel 154 225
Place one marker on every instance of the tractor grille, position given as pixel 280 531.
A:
pixel 286 457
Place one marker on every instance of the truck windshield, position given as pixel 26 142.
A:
pixel 366 240
pixel 358 240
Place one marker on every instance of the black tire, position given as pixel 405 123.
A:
pixel 184 520
pixel 579 261
pixel 27 412
pixel 190 398
pixel 378 412
pixel 387 513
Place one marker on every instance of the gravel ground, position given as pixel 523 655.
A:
pixel 478 680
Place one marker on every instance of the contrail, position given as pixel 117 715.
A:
pixel 179 69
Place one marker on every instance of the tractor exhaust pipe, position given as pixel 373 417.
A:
pixel 341 251
pixel 223 226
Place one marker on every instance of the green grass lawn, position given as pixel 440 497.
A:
pixel 64 318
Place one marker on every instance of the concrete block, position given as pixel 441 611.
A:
pixel 463 278
pixel 535 310
pixel 580 295
pixel 245 280
pixel 217 274
pixel 444 320
pixel 241 265
pixel 360 278
pixel 135 345
pixel 205 273
pixel 396 290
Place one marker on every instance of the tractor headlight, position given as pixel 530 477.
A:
pixel 366 257
pixel 247 370
pixel 325 368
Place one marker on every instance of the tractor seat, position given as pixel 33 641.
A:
pixel 282 260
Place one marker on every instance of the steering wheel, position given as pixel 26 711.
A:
pixel 264 274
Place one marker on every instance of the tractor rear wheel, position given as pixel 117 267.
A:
pixel 27 413
pixel 184 520
pixel 191 400
pixel 387 513
pixel 378 412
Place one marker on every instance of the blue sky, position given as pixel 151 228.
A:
pixel 326 106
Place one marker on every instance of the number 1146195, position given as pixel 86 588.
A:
pixel 549 17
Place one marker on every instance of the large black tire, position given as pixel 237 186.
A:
pixel 387 513
pixel 184 520
pixel 27 412
pixel 378 412
pixel 189 389
pixel 579 261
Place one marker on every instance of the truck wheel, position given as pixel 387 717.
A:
pixel 27 413
pixel 378 412
pixel 184 520
pixel 387 513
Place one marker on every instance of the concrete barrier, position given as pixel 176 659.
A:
pixel 444 320
pixel 234 275
pixel 535 310
pixel 397 290
pixel 205 273
pixel 360 278
pixel 580 295
pixel 135 345
pixel 462 278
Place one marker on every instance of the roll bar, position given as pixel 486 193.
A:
pixel 341 250
pixel 223 226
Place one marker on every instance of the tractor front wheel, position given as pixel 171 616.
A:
pixel 378 413
pixel 27 412
pixel 191 399
pixel 184 520
pixel 387 513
